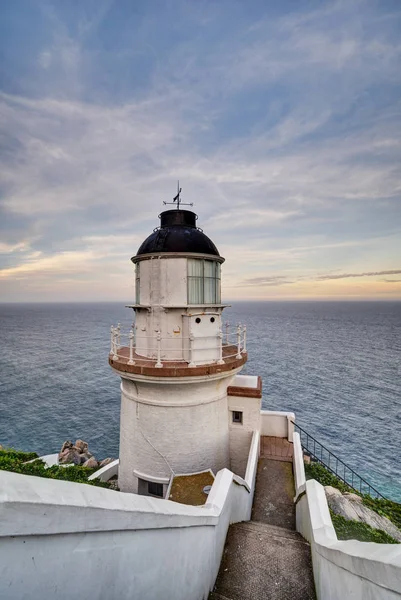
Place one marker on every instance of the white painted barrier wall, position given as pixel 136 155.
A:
pixel 277 423
pixel 342 569
pixel 106 472
pixel 61 540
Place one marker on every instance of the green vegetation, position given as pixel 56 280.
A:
pixel 317 471
pixel 385 508
pixel 14 460
pixel 355 530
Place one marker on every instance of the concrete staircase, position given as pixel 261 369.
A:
pixel 265 558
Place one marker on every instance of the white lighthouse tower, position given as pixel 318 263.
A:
pixel 178 362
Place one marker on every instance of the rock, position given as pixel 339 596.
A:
pixel 66 445
pixel 106 461
pixel 63 454
pixel 91 463
pixel 76 459
pixel 307 459
pixel 353 497
pixel 86 456
pixel 351 507
pixel 81 446
pixel 70 455
pixel 331 491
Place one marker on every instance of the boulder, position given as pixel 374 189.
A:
pixel 70 455
pixel 81 446
pixel 353 497
pixel 91 463
pixel 86 456
pixel 351 507
pixel 67 444
pixel 106 461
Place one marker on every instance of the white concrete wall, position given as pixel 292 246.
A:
pixel 172 426
pixel 241 433
pixel 163 280
pixel 342 569
pixel 65 540
pixel 106 472
pixel 248 381
pixel 277 423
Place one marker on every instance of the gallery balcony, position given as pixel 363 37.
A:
pixel 177 356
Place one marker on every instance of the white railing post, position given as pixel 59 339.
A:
pixel 115 347
pixel 118 336
pixel 244 338
pixel 112 340
pixel 131 347
pixel 220 336
pixel 159 348
pixel 227 333
pixel 239 341
pixel 191 351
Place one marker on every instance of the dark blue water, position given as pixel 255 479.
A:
pixel 336 365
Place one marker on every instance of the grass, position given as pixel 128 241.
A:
pixel 383 507
pixel 15 461
pixel 188 489
pixel 355 530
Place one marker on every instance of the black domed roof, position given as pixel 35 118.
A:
pixel 178 233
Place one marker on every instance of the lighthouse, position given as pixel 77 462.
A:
pixel 177 361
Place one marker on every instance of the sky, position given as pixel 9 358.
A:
pixel 282 121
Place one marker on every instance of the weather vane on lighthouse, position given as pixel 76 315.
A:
pixel 177 199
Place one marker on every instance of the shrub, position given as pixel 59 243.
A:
pixel 15 461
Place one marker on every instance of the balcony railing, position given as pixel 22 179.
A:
pixel 229 342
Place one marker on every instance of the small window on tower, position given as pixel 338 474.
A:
pixel 237 416
pixel 155 489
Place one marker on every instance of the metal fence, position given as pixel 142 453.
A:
pixel 319 453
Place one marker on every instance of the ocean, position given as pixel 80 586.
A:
pixel 337 365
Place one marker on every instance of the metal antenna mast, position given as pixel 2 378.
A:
pixel 177 199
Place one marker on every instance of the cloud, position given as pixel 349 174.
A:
pixel 267 281
pixel 284 129
pixel 368 274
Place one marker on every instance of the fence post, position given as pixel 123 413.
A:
pixel 131 347
pixel 290 421
pixel 159 341
pixel 239 341
pixel 191 351
pixel 118 335
pixel 115 347
pixel 220 337
pixel 227 333
pixel 112 340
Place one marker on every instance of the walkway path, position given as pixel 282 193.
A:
pixel 265 558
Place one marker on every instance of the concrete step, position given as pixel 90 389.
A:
pixel 263 562
pixel 272 530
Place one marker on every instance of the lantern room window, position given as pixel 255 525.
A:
pixel 203 281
